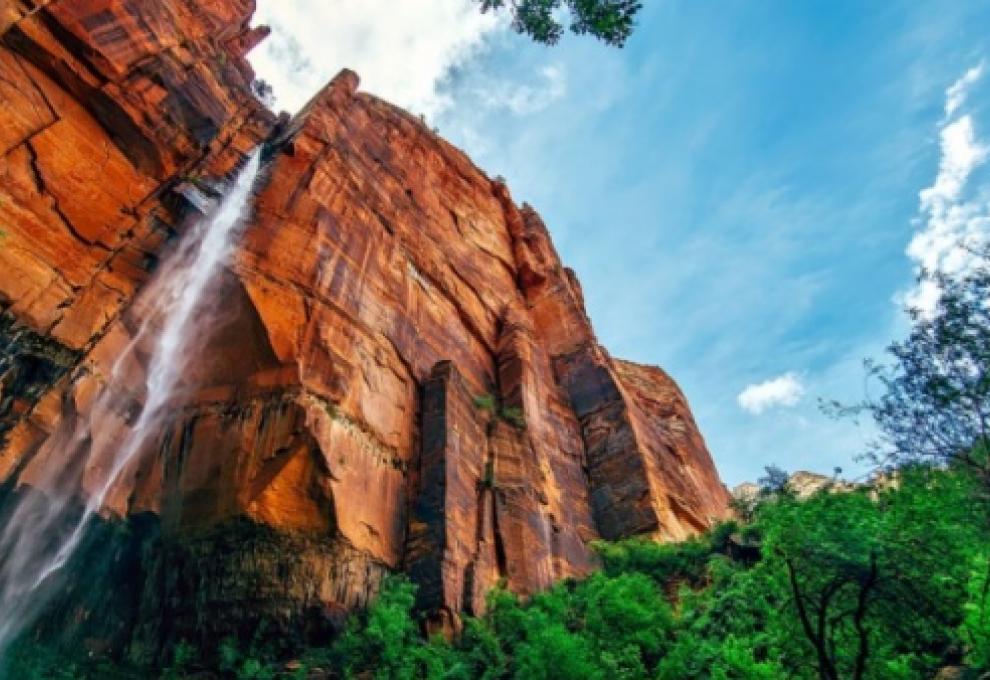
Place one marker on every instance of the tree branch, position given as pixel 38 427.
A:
pixel 864 638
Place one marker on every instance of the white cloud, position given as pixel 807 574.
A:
pixel 961 154
pixel 784 390
pixel 952 222
pixel 955 96
pixel 401 50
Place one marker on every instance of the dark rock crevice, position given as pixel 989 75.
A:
pixel 30 364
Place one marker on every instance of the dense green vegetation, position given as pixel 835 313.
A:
pixel 874 583
pixel 869 584
pixel 888 580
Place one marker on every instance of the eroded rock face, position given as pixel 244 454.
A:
pixel 405 379
pixel 802 484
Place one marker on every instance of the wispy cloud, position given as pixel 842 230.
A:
pixel 952 221
pixel 784 390
pixel 401 50
pixel 955 96
pixel 524 98
pixel 961 154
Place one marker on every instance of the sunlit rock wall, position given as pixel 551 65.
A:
pixel 404 376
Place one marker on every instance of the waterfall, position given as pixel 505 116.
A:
pixel 45 527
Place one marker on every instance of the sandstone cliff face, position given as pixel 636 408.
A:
pixel 105 105
pixel 405 377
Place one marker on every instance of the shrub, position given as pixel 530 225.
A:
pixel 514 416
pixel 485 402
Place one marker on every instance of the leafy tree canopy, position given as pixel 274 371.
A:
pixel 611 21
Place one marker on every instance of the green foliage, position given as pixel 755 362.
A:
pixel 611 21
pixel 875 577
pixel 935 403
pixel 975 630
pixel 184 655
pixel 774 482
pixel 489 480
pixel 668 564
pixel 877 583
pixel 485 402
pixel 602 627
pixel 890 567
pixel 514 416
pixel 228 655
pixel 29 660
pixel 235 664
pixel 386 641
pixel 510 414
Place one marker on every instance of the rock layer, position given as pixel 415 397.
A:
pixel 405 379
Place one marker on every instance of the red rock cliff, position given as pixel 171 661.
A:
pixel 407 378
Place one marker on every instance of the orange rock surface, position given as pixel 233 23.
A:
pixel 405 379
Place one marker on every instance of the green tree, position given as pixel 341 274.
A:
pixel 876 578
pixel 611 21
pixel 935 403
pixel 975 630
pixel 668 564
pixel 386 641
pixel 628 621
pixel 381 641
pixel 731 628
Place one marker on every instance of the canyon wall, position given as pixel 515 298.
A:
pixel 404 377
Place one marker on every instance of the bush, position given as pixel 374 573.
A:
pixel 485 402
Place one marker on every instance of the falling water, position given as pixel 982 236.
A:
pixel 44 530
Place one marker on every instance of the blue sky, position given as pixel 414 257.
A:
pixel 736 189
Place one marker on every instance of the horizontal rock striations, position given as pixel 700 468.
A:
pixel 404 378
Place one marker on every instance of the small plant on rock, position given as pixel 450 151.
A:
pixel 514 416
pixel 485 402
pixel 489 480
